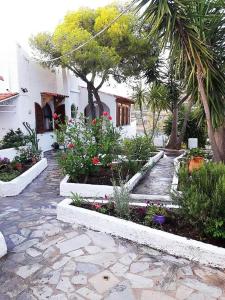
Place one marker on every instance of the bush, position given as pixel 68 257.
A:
pixel 13 139
pixel 88 146
pixel 202 202
pixel 121 199
pixel 27 155
pixel 138 148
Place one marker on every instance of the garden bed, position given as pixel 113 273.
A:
pixel 158 239
pixel 95 188
pixel 18 184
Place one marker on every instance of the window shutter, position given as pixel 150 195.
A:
pixel 39 117
pixel 117 114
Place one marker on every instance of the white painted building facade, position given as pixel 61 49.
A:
pixel 28 87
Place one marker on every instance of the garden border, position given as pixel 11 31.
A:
pixel 170 243
pixel 10 153
pixel 175 181
pixel 3 247
pixel 17 185
pixel 93 191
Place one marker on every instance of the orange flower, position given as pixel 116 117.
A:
pixel 70 146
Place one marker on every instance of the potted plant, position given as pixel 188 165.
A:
pixel 156 214
pixel 196 159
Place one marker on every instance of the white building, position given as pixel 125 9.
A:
pixel 31 93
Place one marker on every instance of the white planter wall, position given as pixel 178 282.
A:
pixel 3 247
pixel 17 185
pixel 9 153
pixel 175 245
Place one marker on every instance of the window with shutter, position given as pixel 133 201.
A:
pixel 39 117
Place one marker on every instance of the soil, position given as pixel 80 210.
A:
pixel 174 223
pixel 105 176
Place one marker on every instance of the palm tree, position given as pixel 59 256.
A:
pixel 140 96
pixel 185 27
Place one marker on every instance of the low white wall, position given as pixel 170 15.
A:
pixel 17 185
pixel 175 181
pixel 99 191
pixel 46 140
pixel 3 247
pixel 175 245
pixel 9 153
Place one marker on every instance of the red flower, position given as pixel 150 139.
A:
pixel 97 206
pixel 94 122
pixel 70 146
pixel 105 113
pixel 95 160
pixel 55 116
pixel 110 118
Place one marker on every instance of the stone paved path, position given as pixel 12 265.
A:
pixel 49 259
pixel 158 180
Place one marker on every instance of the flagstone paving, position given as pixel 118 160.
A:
pixel 48 259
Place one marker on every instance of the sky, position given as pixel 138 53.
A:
pixel 19 19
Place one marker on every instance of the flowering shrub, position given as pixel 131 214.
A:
pixel 89 147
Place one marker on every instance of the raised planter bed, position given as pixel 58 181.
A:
pixel 173 244
pixel 9 153
pixel 3 247
pixel 175 181
pixel 17 185
pixel 93 190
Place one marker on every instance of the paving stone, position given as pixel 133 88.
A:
pixel 58 297
pixel 74 243
pixel 79 279
pixel 103 281
pixel 86 268
pixel 101 239
pixel 183 292
pixel 212 291
pixel 28 270
pixel 32 252
pixel 152 273
pixel 147 295
pixel 65 285
pixel 47 243
pixel 89 294
pixel 24 246
pixel 119 269
pixel 26 295
pixel 42 292
pixel 128 258
pixel 121 292
pixel 69 268
pixel 60 262
pixel 76 253
pixel 93 249
pixel 139 282
pixel 16 239
pixel 138 267
pixel 102 259
pixel 25 232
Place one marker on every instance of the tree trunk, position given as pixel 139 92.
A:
pixel 204 100
pixel 184 126
pixel 142 118
pixel 220 141
pixel 155 123
pixel 91 102
pixel 98 100
pixel 172 143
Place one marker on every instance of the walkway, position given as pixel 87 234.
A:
pixel 158 180
pixel 49 259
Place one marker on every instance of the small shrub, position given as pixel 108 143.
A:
pixel 121 199
pixel 153 210
pixel 28 155
pixel 138 148
pixel 77 200
pixel 13 139
pixel 8 176
pixel 202 202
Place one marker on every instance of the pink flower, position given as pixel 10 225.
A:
pixel 105 113
pixel 70 146
pixel 110 118
pixel 55 116
pixel 95 160
pixel 97 206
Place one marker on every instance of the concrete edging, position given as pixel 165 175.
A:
pixel 91 190
pixel 175 181
pixel 173 244
pixel 3 247
pixel 17 185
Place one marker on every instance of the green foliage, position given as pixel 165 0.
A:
pixel 28 155
pixel 13 139
pixel 196 152
pixel 153 210
pixel 89 146
pixel 193 130
pixel 31 137
pixel 8 176
pixel 121 199
pixel 77 200
pixel 138 148
pixel 202 200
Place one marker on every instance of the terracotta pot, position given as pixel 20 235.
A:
pixel 195 163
